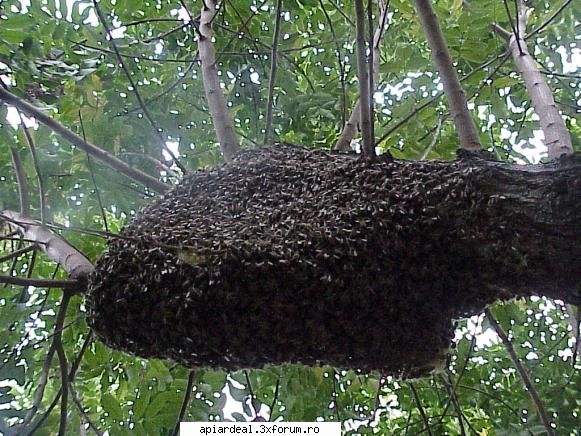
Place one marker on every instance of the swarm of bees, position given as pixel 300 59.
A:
pixel 295 255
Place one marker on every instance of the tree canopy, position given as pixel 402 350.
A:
pixel 108 104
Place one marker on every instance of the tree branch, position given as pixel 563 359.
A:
pixel 465 126
pixel 421 409
pixel 557 137
pixel 63 364
pixel 272 77
pixel 16 253
pixel 104 156
pixel 340 65
pixel 350 128
pixel 225 133
pixel 55 247
pixel 522 371
pixel 81 410
pixel 550 19
pixel 23 192
pixel 435 137
pixel 430 101
pixel 42 283
pixel 55 344
pixel 363 72
pixel 185 402
pixel 156 129
pixel 39 177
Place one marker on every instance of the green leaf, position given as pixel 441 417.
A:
pixel 111 406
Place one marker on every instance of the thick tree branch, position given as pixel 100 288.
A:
pixel 557 137
pixel 350 127
pixel 104 156
pixel 272 77
pixel 522 372
pixel 465 126
pixel 225 133
pixel 55 247
pixel 363 72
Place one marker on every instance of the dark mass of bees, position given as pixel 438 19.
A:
pixel 294 255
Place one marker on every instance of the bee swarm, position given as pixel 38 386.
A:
pixel 292 255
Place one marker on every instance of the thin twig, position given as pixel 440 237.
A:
pixel 430 101
pixel 434 138
pixel 185 402
pixel 92 172
pixel 272 76
pixel 339 8
pixel 253 400
pixel 158 164
pixel 81 410
pixel 155 128
pixel 489 395
pixel 550 19
pixel 282 53
pixel 166 34
pixel 522 372
pixel 336 396
pixel 104 156
pixel 274 397
pixel 23 191
pixel 16 253
pixel 72 373
pixel 244 28
pixel 43 283
pixel 63 364
pixel 514 27
pixel 454 398
pixel 170 88
pixel 35 162
pixel 340 64
pixel 421 409
pixel 39 393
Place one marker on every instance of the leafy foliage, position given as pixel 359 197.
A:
pixel 56 54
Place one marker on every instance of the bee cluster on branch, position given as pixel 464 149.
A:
pixel 296 255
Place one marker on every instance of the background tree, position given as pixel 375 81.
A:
pixel 120 112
